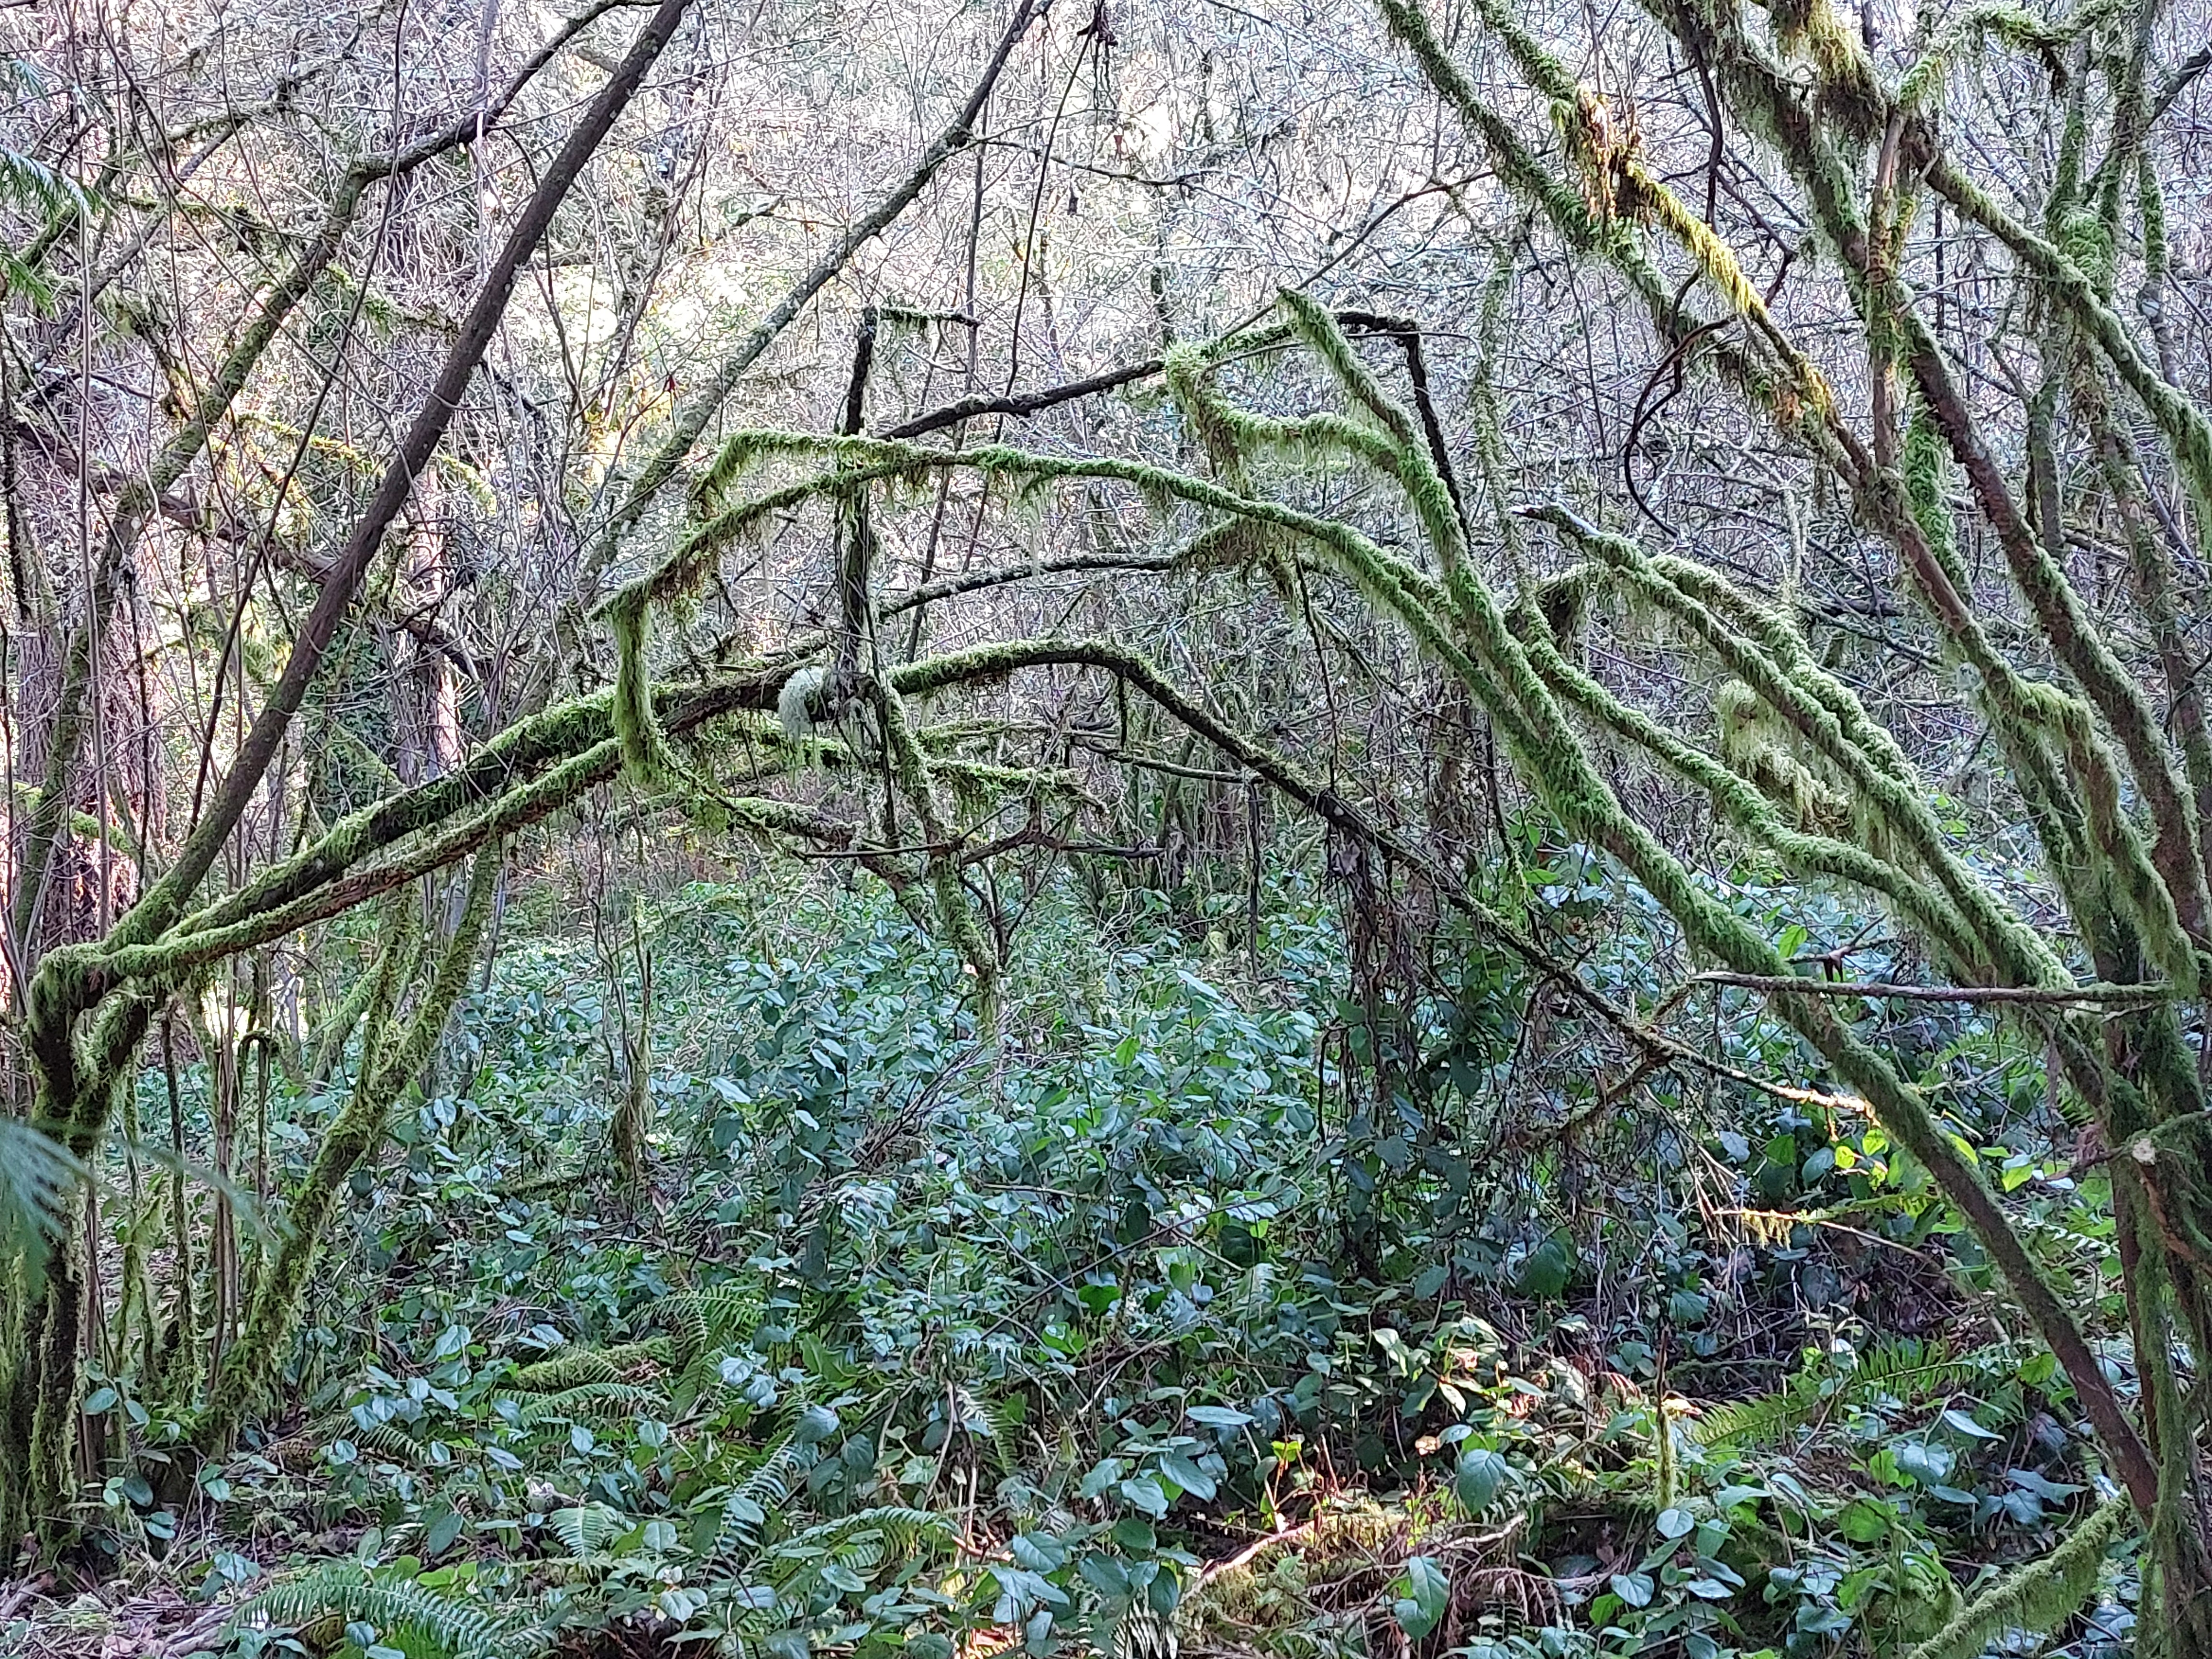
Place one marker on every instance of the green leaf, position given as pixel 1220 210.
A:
pixel 2054 1492
pixel 1423 1594
pixel 1134 1535
pixel 1966 1426
pixel 439 1535
pixel 1686 1308
pixel 815 1423
pixel 1218 1417
pixel 1106 1575
pixel 1146 1494
pixel 1188 1475
pixel 1039 1552
pixel 1546 1270
pixel 1866 1522
pixel 1103 1474
pixel 1476 1480
pixel 1927 1463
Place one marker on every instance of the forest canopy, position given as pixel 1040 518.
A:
pixel 1167 827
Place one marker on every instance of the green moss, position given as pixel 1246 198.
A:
pixel 1922 86
pixel 2036 1597
pixel 911 765
pixel 645 755
pixel 1928 475
pixel 1402 452
pixel 1744 805
pixel 251 1364
pixel 1770 659
pixel 2186 428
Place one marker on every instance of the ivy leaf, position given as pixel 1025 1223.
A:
pixel 1926 1462
pixel 1103 1474
pixel 1546 1270
pixel 1866 1522
pixel 1106 1575
pixel 438 1537
pixel 1687 1308
pixel 2052 1492
pixel 1040 1552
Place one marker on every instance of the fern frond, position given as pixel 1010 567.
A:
pixel 30 182
pixel 1906 1369
pixel 566 1370
pixel 2035 1597
pixel 703 1324
pixel 722 1313
pixel 764 1491
pixel 340 1592
pixel 388 1438
pixel 1912 1370
pixel 769 1482
pixel 858 1540
pixel 37 1180
pixel 588 1402
pixel 1757 1421
pixel 989 1422
pixel 587 1528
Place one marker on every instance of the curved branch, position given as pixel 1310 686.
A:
pixel 977 580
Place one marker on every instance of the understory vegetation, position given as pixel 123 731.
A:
pixel 1202 1302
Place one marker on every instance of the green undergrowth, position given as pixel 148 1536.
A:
pixel 1201 1300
